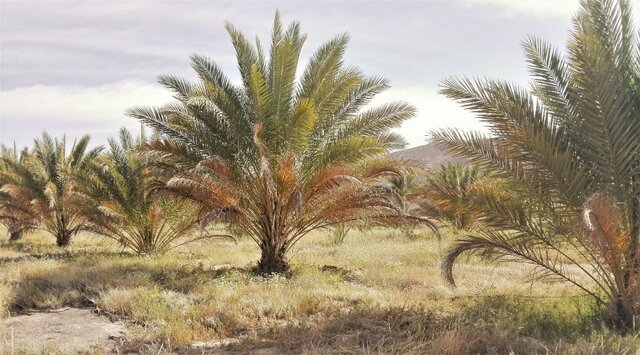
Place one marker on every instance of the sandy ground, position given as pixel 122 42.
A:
pixel 67 330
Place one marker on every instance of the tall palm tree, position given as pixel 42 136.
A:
pixel 129 207
pixel 46 181
pixel 572 142
pixel 275 155
pixel 15 214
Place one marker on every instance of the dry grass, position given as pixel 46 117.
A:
pixel 377 292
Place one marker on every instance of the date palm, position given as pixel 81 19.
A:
pixel 572 143
pixel 46 180
pixel 448 192
pixel 15 214
pixel 406 187
pixel 127 207
pixel 280 155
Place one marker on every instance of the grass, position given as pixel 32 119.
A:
pixel 376 292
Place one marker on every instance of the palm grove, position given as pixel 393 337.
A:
pixel 555 184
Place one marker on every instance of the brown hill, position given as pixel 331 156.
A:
pixel 430 154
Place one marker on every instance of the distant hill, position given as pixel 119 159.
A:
pixel 430 154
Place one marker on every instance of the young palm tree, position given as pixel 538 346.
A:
pixel 278 156
pixel 122 187
pixel 448 192
pixel 573 143
pixel 406 187
pixel 15 214
pixel 46 181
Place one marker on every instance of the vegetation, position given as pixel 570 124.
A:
pixel 339 233
pixel 406 186
pixel 371 294
pixel 277 157
pixel 572 146
pixel 45 182
pixel 15 214
pixel 555 186
pixel 447 193
pixel 124 203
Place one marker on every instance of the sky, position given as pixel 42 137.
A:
pixel 71 67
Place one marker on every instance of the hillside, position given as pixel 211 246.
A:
pixel 430 154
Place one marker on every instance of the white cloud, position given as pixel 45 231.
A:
pixel 564 8
pixel 99 110
pixel 27 111
pixel 543 8
pixel 434 111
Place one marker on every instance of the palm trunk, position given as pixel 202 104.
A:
pixel 63 238
pixel 147 245
pixel 632 272
pixel 273 249
pixel 273 261
pixel 15 235
pixel 634 235
pixel 626 312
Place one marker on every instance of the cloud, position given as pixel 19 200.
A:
pixel 74 110
pixel 99 110
pixel 96 43
pixel 76 67
pixel 562 8
pixel 434 111
pixel 542 8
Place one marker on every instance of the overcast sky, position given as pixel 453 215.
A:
pixel 75 67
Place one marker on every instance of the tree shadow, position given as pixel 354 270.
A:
pixel 487 325
pixel 81 278
pixel 368 331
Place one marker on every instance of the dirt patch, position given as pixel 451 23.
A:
pixel 67 330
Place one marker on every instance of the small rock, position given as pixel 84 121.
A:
pixel 214 343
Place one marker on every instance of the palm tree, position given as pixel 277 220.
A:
pixel 448 192
pixel 572 142
pixel 46 181
pixel 129 208
pixel 278 156
pixel 15 214
pixel 406 187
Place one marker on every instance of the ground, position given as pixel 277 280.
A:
pixel 67 329
pixel 380 291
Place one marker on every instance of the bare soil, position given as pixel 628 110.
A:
pixel 67 330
